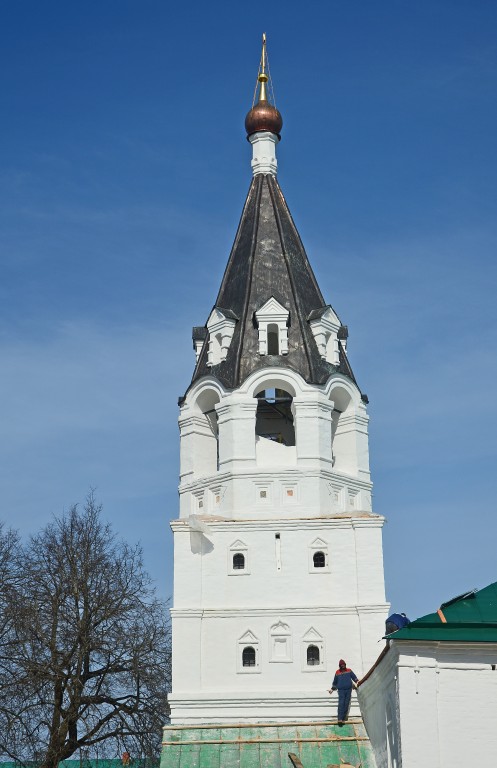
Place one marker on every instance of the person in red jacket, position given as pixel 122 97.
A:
pixel 342 682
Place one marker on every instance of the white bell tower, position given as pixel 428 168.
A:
pixel 278 564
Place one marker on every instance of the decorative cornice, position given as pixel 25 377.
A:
pixel 283 524
pixel 292 473
pixel 278 611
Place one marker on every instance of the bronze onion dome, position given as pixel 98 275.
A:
pixel 263 117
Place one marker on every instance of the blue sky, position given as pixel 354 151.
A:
pixel 124 168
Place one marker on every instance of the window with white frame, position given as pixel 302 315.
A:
pixel 325 326
pixel 248 653
pixel 221 326
pixel 318 557
pixel 313 651
pixel 199 335
pixel 238 564
pixel 272 320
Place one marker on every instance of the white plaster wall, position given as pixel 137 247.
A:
pixel 455 700
pixel 214 607
pixel 368 550
pixel 467 699
pixel 269 453
pixel 202 577
pixel 251 497
pixel 317 492
pixel 276 690
pixel 374 694
pixel 445 704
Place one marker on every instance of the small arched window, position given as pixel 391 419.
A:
pixel 312 655
pixel 273 339
pixel 319 559
pixel 248 656
pixel 238 561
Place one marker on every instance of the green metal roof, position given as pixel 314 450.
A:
pixel 267 745
pixel 471 617
pixel 83 762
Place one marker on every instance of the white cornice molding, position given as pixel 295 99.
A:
pixel 278 611
pixel 295 474
pixel 286 524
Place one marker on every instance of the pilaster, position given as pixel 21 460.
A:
pixel 236 423
pixel 351 451
pixel 313 429
pixel 198 447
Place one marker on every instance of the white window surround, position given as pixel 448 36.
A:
pixel 263 494
pixel 198 502
pixel 199 335
pixel 215 496
pixel 337 494
pixel 325 328
pixel 318 545
pixel 246 640
pixel 273 313
pixel 354 499
pixel 312 637
pixel 289 493
pixel 220 325
pixel 280 643
pixel 238 547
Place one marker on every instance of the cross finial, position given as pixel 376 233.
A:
pixel 263 78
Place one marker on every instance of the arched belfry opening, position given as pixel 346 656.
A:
pixel 208 454
pixel 342 452
pixel 274 418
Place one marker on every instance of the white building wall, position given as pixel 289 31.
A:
pixel 215 606
pixel 444 702
pixel 278 505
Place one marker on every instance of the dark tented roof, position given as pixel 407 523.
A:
pixel 470 617
pixel 268 259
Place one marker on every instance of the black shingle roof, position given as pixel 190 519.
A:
pixel 199 333
pixel 269 259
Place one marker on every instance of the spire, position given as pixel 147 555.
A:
pixel 263 78
pixel 263 123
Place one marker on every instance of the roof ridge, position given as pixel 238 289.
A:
pixel 248 286
pixel 299 239
pixel 300 311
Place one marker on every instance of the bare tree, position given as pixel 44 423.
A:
pixel 9 693
pixel 91 653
